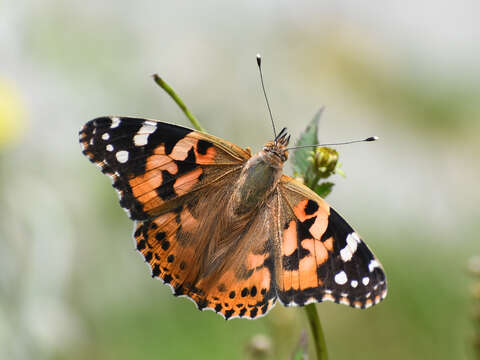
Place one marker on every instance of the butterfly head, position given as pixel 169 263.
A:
pixel 278 147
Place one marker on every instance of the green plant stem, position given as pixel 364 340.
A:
pixel 317 332
pixel 160 82
pixel 314 182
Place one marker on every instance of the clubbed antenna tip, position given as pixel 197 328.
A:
pixel 259 63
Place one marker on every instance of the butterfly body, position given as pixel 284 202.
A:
pixel 259 178
pixel 227 229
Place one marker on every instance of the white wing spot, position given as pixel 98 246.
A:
pixel 365 281
pixel 347 252
pixel 354 283
pixel 355 236
pixel 115 122
pixel 106 136
pixel 122 156
pixel 373 264
pixel 341 278
pixel 109 147
pixel 141 138
pixel 147 128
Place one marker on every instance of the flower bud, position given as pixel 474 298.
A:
pixel 324 161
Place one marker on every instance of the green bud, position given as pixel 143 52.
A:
pixel 324 162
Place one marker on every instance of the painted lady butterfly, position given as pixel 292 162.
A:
pixel 228 229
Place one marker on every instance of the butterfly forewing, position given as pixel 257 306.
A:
pixel 323 258
pixel 153 164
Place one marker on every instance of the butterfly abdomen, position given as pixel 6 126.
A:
pixel 257 181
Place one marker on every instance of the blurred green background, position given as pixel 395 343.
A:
pixel 71 284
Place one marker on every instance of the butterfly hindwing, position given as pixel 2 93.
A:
pixel 225 266
pixel 323 258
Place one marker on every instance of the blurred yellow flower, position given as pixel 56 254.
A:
pixel 12 114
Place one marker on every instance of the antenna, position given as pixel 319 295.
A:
pixel 371 138
pixel 259 63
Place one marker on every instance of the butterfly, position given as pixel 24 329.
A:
pixel 226 228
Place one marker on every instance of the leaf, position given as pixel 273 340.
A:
pixel 301 161
pixel 324 188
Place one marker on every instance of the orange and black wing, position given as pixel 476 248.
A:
pixel 322 257
pixel 153 165
pixel 225 265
